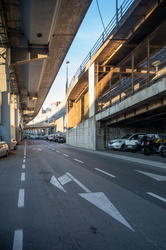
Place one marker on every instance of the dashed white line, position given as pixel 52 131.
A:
pixel 23 177
pixel 52 149
pixel 78 160
pixel 57 151
pixel 65 155
pixel 18 240
pixel 105 172
pixel 21 198
pixel 24 160
pixel 23 166
pixel 157 196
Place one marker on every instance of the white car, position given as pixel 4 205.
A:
pixel 4 149
pixel 134 142
pixel 119 143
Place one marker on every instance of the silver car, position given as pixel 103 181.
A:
pixel 4 149
pixel 119 143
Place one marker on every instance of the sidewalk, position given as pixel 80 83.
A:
pixel 152 160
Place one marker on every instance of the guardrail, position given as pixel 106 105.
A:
pixel 104 36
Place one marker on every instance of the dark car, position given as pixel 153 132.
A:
pixel 61 139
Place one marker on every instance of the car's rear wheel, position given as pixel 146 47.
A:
pixel 7 153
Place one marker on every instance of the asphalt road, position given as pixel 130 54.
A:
pixel 57 197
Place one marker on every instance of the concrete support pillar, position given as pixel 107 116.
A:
pixel 5 131
pixel 91 82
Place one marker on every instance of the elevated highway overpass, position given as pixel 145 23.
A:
pixel 35 36
pixel 121 86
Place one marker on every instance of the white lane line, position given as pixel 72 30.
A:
pixel 52 149
pixel 105 172
pixel 79 183
pixel 21 198
pixel 23 177
pixel 78 160
pixel 18 240
pixel 57 151
pixel 25 148
pixel 65 155
pixel 157 196
pixel 24 160
pixel 154 176
pixel 23 166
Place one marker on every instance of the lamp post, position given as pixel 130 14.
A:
pixel 67 62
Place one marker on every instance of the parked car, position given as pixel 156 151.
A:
pixel 61 139
pixel 51 137
pixel 4 149
pixel 134 142
pixel 14 145
pixel 119 143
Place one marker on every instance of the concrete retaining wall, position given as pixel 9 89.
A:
pixel 83 135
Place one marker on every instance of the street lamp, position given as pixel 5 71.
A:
pixel 67 62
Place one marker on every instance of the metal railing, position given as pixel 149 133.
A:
pixel 104 36
pixel 128 86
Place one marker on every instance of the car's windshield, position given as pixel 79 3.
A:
pixel 126 136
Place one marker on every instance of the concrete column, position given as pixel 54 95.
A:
pixel 91 82
pixel 5 109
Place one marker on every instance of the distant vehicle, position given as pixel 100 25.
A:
pixel 4 149
pixel 134 142
pixel 51 137
pixel 14 145
pixel 119 143
pixel 61 139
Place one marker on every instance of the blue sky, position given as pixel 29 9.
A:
pixel 87 35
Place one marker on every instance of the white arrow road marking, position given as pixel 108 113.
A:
pixel 98 199
pixel 79 183
pixel 37 149
pixel 157 196
pixel 56 183
pixel 154 176
pixel 101 201
pixel 64 179
pixel 105 172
